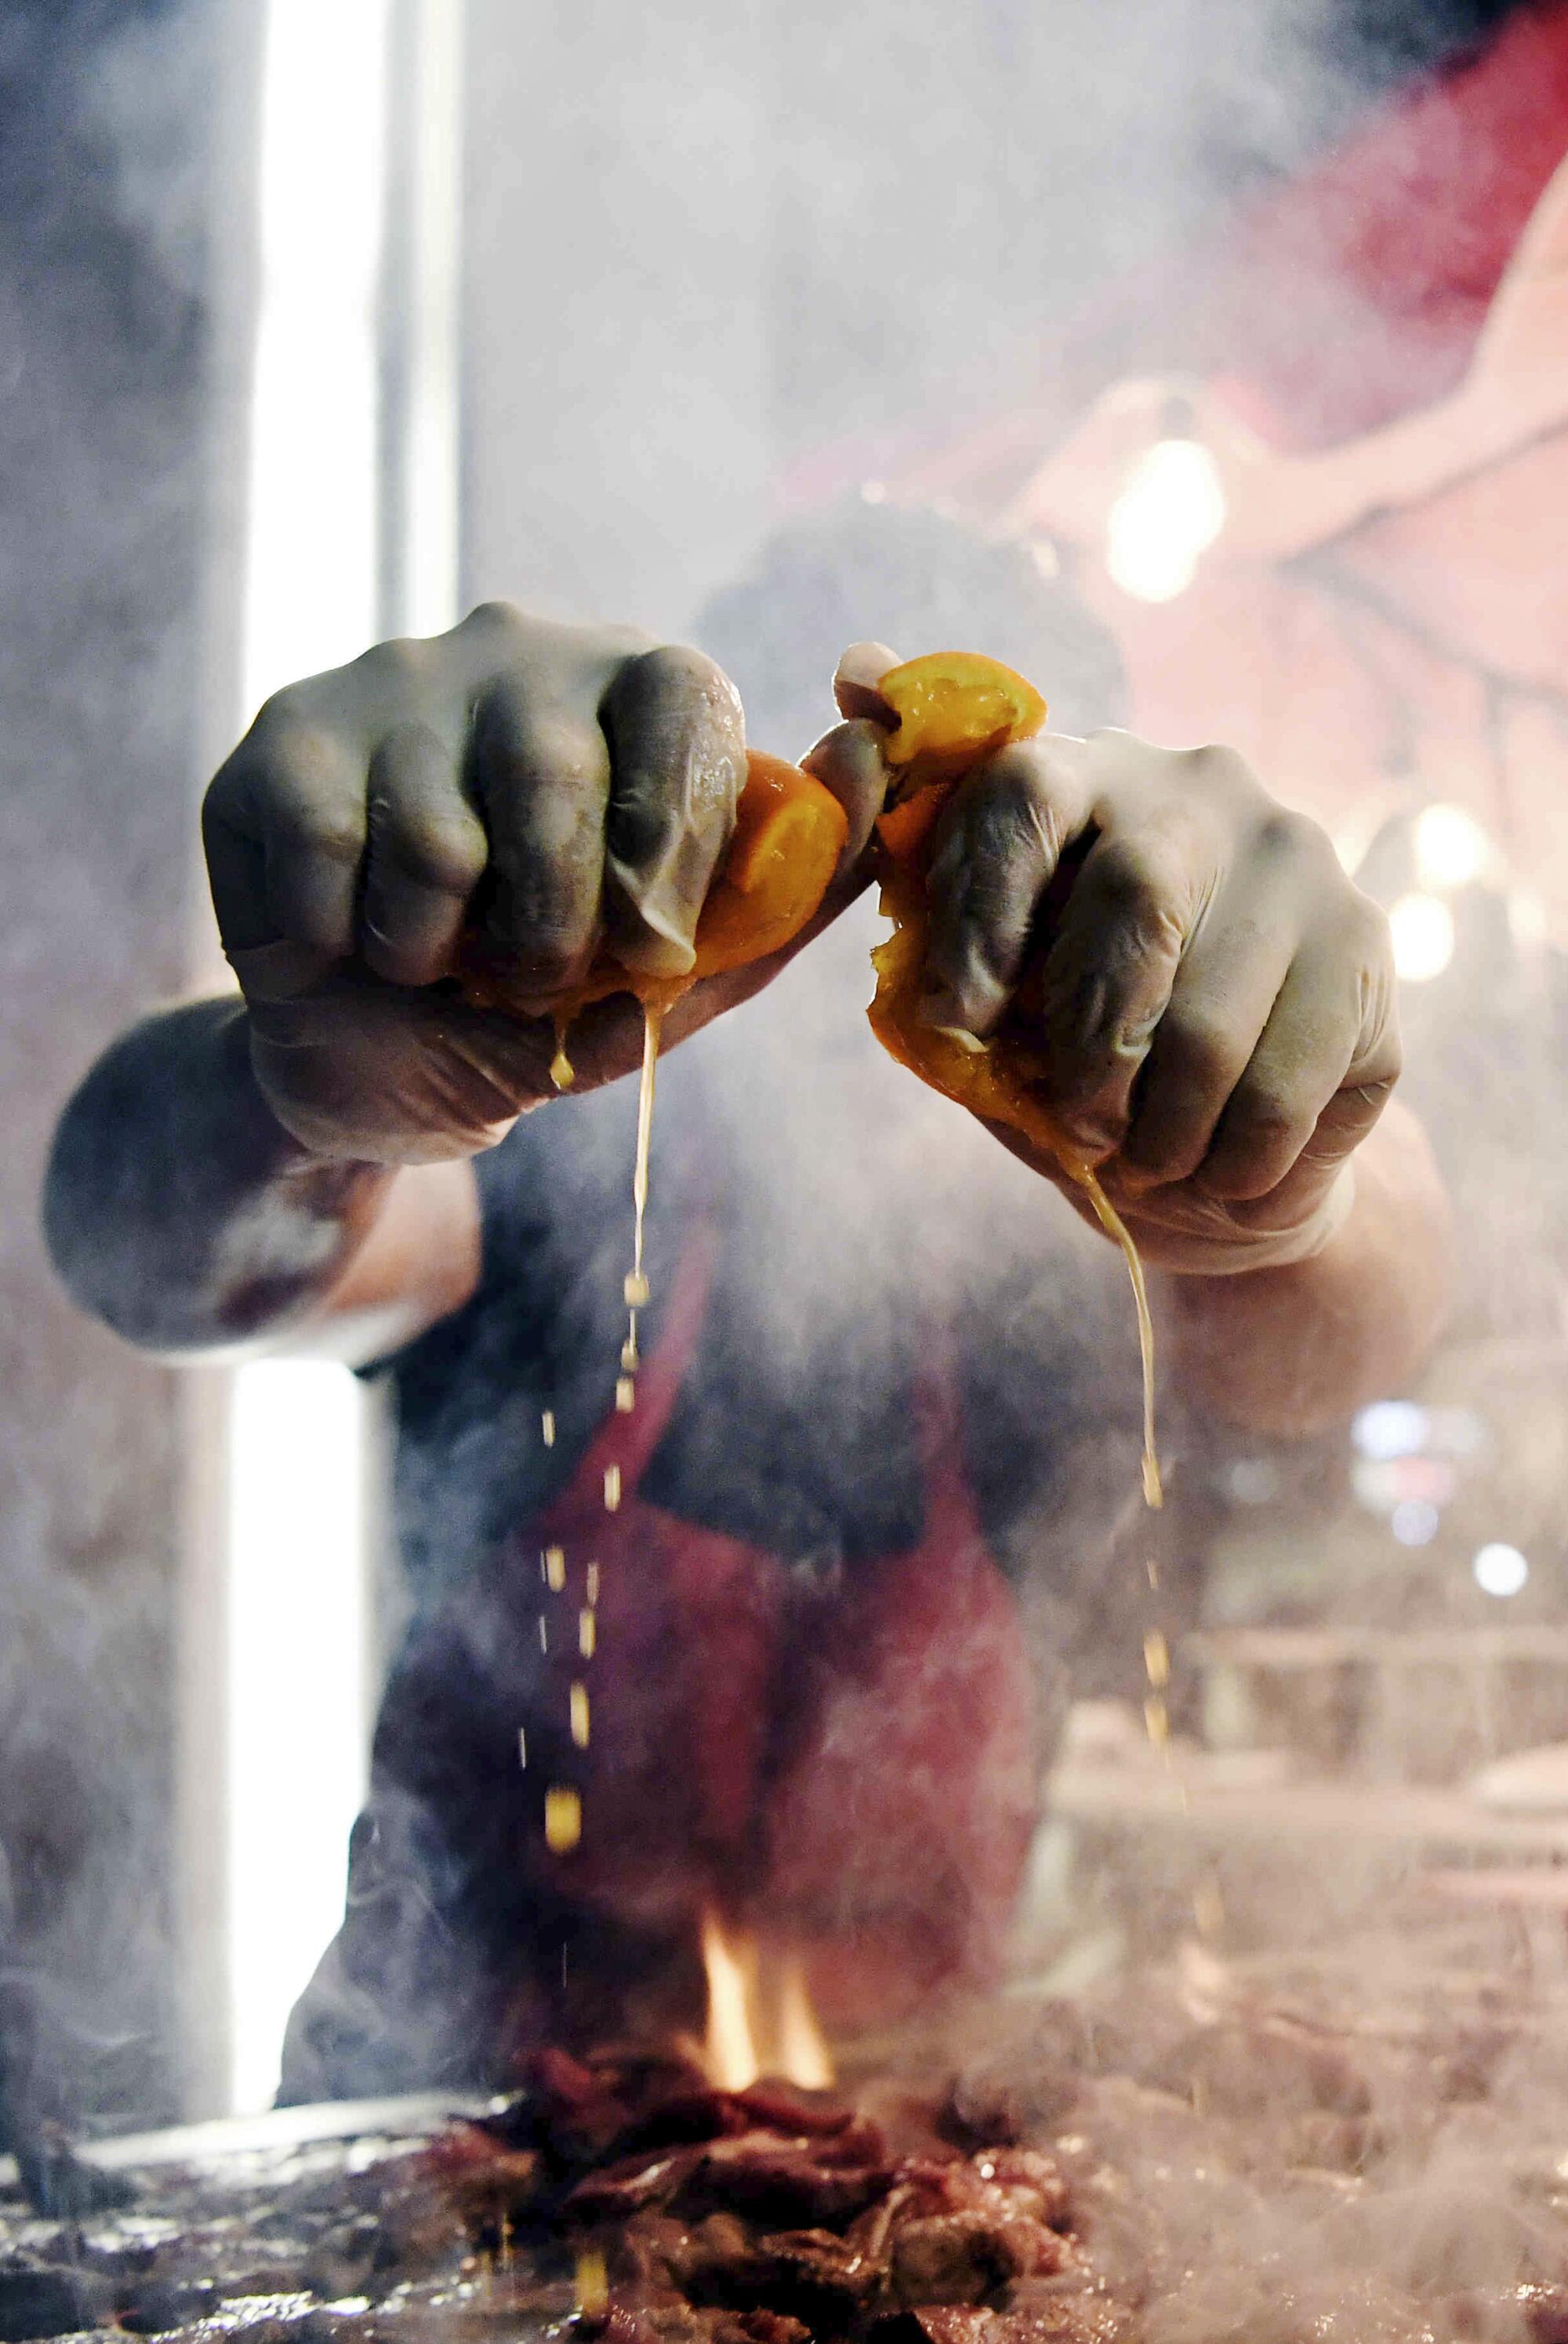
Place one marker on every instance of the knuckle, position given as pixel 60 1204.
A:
pixel 1016 770
pixel 1203 1046
pixel 1005 816
pixel 1284 835
pixel 493 617
pixel 536 751
pixel 223 793
pixel 399 661
pixel 308 802
pixel 281 713
pixel 1217 761
pixel 678 671
pixel 439 851
pixel 332 829
pixel 1140 882
pixel 1262 1117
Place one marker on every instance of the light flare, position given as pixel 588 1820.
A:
pixel 1171 509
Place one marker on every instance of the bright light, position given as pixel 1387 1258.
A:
pixel 311 559
pixel 1389 1428
pixel 297 1598
pixel 1414 1521
pixel 1171 510
pixel 426 501
pixel 297 1690
pixel 1500 1570
pixel 1451 847
pixel 1422 928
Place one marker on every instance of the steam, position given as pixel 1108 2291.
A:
pixel 100 491
pixel 898 275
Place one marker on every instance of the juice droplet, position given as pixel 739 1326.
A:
pixel 587 1634
pixel 629 1361
pixel 1208 1908
pixel 1157 1658
pixel 544 1634
pixel 593 1583
pixel 580 1716
pixel 611 1489
pixel 1111 1221
pixel 563 1819
pixel 547 1427
pixel 592 2282
pixel 561 1070
pixel 523 1746
pixel 635 1289
pixel 1157 1718
pixel 625 1395
pixel 554 1568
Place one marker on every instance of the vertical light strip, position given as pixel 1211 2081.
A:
pixel 297 1627
pixel 424 336
pixel 297 1693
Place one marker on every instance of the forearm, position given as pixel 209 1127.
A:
pixel 177 1207
pixel 1290 1351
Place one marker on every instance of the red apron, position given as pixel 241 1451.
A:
pixel 855 1771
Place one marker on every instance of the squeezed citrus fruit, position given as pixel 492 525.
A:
pixel 788 835
pixel 952 710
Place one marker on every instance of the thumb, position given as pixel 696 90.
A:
pixel 856 679
pixel 849 762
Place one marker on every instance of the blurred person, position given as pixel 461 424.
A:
pixel 887 1416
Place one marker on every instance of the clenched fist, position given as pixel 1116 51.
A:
pixel 1205 1000
pixel 531 789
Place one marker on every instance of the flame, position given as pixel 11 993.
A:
pixel 759 2016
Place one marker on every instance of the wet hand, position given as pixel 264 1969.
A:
pixel 1204 1000
pixel 1210 998
pixel 515 790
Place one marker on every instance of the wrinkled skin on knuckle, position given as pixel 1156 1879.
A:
pixel 436 851
pixel 1204 1047
pixel 1144 887
pixel 1264 1129
pixel 310 804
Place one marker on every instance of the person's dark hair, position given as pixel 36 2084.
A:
pixel 919 582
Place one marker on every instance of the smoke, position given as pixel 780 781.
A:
pixel 929 193
pixel 102 121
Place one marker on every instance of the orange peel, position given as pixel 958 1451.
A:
pixel 789 832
